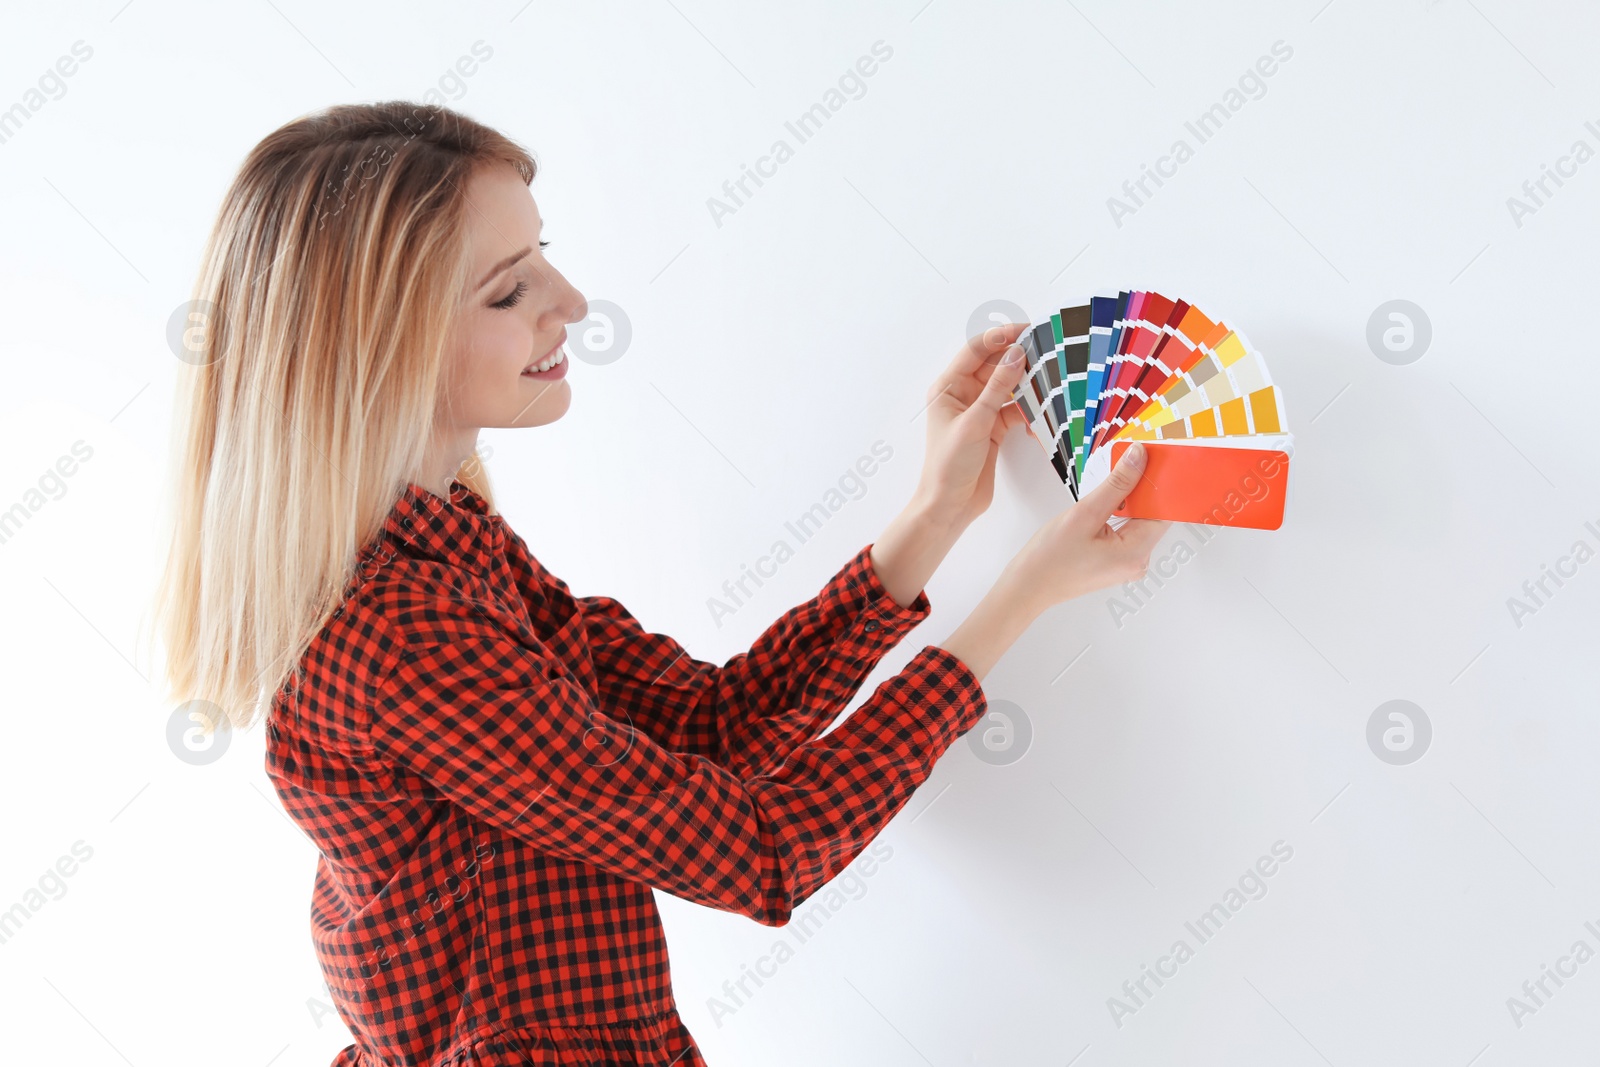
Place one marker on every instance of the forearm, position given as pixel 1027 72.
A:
pixel 911 549
pixel 994 625
pixel 912 546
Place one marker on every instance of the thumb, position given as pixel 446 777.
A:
pixel 1108 496
pixel 1141 536
pixel 997 390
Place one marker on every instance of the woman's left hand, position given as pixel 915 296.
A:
pixel 969 413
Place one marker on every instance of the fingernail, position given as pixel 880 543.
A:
pixel 1013 354
pixel 1136 451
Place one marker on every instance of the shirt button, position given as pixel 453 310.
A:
pixel 869 626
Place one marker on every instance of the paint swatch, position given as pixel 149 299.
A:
pixel 1139 366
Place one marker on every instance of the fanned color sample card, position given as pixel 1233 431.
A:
pixel 1139 366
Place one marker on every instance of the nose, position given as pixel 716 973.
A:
pixel 566 302
pixel 579 309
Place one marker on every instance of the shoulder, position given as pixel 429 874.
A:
pixel 400 615
pixel 455 654
pixel 416 603
pixel 522 560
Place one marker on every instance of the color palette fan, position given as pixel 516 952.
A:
pixel 1139 366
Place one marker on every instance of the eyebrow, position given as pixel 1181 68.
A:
pixel 502 265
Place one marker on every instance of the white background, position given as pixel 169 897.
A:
pixel 768 354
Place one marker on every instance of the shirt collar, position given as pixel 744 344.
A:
pixel 460 531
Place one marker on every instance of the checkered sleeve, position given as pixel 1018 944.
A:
pixel 469 713
pixel 751 712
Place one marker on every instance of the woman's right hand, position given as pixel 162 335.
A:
pixel 1072 554
pixel 1077 552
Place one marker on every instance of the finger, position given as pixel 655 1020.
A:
pixel 985 490
pixel 952 399
pixel 962 388
pixel 1010 417
pixel 996 393
pixel 965 390
pixel 985 349
pixel 1099 503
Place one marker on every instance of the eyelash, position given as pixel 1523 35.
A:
pixel 510 300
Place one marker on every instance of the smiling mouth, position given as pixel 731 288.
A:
pixel 556 358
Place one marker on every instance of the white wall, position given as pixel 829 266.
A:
pixel 768 353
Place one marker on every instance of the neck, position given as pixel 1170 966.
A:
pixel 444 457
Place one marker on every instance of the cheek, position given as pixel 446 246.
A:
pixel 487 352
pixel 494 346
pixel 503 342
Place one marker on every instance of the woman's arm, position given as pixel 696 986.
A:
pixel 1074 553
pixel 1004 613
pixel 467 712
pixel 749 713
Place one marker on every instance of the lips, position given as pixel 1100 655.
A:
pixel 530 368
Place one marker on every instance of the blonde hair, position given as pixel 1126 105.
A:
pixel 327 293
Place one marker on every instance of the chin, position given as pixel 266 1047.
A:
pixel 551 404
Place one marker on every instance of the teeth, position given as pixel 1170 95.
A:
pixel 546 364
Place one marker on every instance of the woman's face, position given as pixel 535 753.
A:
pixel 515 316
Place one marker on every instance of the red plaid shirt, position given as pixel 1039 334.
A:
pixel 496 773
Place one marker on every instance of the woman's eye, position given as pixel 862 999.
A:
pixel 511 299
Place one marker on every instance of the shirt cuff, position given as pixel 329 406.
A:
pixel 959 702
pixel 881 619
pixel 921 711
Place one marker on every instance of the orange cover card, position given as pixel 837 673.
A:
pixel 1209 484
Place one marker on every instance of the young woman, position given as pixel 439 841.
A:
pixel 496 772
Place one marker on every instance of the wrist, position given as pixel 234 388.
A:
pixel 931 512
pixel 1018 595
pixel 1002 616
pixel 912 546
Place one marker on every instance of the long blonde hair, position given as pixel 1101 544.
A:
pixel 327 293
